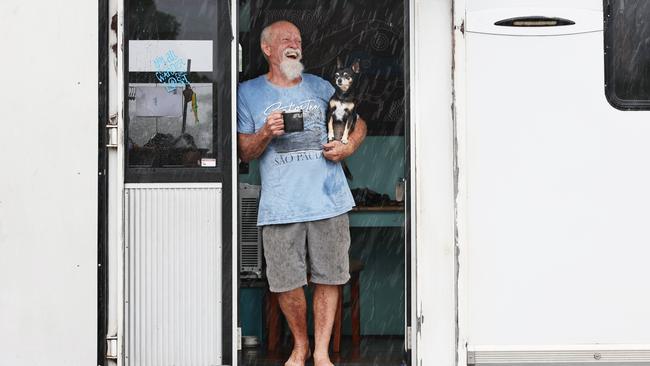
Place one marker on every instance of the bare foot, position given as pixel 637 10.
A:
pixel 299 355
pixel 322 360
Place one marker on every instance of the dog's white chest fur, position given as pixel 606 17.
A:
pixel 339 109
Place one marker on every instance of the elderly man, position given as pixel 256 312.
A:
pixel 305 197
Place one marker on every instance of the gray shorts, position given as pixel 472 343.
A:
pixel 286 246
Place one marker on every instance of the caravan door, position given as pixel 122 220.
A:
pixel 552 250
pixel 177 143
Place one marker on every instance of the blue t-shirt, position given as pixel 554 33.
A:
pixel 298 183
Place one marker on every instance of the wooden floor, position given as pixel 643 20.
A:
pixel 380 351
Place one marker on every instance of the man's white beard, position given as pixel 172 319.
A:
pixel 291 69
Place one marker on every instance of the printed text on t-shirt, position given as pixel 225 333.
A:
pixel 307 105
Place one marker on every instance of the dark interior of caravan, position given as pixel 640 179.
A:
pixel 178 128
pixel 372 311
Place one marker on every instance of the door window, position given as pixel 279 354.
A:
pixel 178 90
pixel 627 53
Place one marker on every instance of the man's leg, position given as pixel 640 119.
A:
pixel 294 308
pixel 328 246
pixel 325 302
pixel 284 250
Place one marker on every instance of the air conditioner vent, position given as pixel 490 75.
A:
pixel 250 238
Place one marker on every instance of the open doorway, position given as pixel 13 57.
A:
pixel 376 300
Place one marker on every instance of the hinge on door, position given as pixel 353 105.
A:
pixel 471 358
pixel 409 331
pixel 239 338
pixel 111 348
pixel 408 337
pixel 112 135
pixel 460 27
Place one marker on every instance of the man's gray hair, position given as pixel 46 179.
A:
pixel 265 37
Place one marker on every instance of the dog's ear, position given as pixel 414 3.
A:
pixel 339 65
pixel 355 66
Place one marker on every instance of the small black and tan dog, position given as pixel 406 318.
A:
pixel 342 115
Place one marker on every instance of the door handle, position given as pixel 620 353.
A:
pixel 534 21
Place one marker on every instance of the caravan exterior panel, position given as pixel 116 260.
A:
pixel 49 183
pixel 556 200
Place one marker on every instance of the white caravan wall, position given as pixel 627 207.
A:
pixel 48 190
pixel 431 122
pixel 557 196
pixel 474 5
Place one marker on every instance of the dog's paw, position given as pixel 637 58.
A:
pixel 344 141
pixel 330 138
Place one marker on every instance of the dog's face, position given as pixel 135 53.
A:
pixel 344 77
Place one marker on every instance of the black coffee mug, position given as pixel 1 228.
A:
pixel 293 121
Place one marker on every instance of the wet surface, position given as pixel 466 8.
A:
pixel 378 350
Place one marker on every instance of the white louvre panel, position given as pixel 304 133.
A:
pixel 173 295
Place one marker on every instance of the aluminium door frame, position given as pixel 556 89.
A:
pixel 111 337
pixel 410 280
pixel 460 124
pixel 235 344
pixel 411 327
pixel 102 188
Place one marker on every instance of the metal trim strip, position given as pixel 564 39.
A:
pixel 559 356
pixel 217 185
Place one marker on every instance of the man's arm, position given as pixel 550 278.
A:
pixel 336 151
pixel 251 146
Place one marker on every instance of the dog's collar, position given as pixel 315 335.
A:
pixel 342 93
